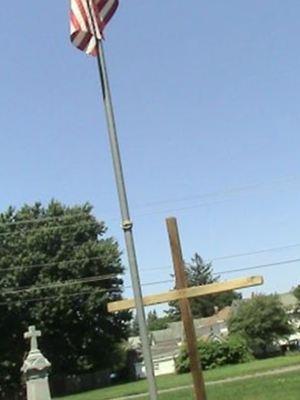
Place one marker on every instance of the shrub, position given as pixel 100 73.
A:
pixel 215 354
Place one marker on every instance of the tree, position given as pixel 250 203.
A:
pixel 297 295
pixel 201 273
pixel 156 323
pixel 153 321
pixel 297 292
pixel 261 320
pixel 42 251
pixel 134 327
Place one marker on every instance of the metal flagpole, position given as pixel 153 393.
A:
pixel 126 221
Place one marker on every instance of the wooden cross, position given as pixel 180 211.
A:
pixel 183 294
pixel 32 334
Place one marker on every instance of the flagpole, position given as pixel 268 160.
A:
pixel 126 221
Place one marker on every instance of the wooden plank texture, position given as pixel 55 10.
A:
pixel 185 310
pixel 190 292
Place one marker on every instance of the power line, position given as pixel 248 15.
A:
pixel 87 291
pixel 50 264
pixel 85 280
pixel 39 299
pixel 45 219
pixel 94 279
pixel 60 284
pixel 231 256
pixel 157 282
pixel 268 250
pixel 260 266
pixel 171 210
pixel 81 260
pixel 229 191
pixel 47 228
pixel 232 190
pixel 178 209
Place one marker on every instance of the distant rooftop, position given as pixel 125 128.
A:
pixel 166 342
pixel 288 299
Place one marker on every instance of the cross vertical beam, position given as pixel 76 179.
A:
pixel 185 309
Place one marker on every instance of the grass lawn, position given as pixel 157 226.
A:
pixel 171 381
pixel 280 387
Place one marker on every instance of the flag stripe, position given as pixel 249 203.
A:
pixel 110 12
pixel 87 27
pixel 81 14
pixel 74 21
pixel 105 10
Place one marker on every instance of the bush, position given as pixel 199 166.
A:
pixel 262 321
pixel 215 354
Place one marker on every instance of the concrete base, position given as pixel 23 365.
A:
pixel 38 389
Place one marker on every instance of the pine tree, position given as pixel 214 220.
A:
pixel 200 273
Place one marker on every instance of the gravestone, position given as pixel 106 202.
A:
pixel 36 368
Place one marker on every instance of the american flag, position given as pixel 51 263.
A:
pixel 88 19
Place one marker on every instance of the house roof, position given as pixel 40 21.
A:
pixel 166 342
pixel 201 324
pixel 168 348
pixel 222 316
pixel 164 335
pixel 288 300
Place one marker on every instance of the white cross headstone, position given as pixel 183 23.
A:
pixel 33 334
pixel 36 368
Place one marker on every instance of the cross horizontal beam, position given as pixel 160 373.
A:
pixel 190 292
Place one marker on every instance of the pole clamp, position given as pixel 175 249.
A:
pixel 127 225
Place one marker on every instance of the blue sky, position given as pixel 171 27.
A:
pixel 207 101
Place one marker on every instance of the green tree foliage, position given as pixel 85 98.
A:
pixel 134 327
pixel 261 320
pixel 201 273
pixel 297 292
pixel 297 295
pixel 214 354
pixel 41 248
pixel 156 323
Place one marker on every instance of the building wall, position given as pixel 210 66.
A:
pixel 164 367
pixel 161 367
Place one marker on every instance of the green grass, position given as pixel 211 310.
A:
pixel 280 387
pixel 171 381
